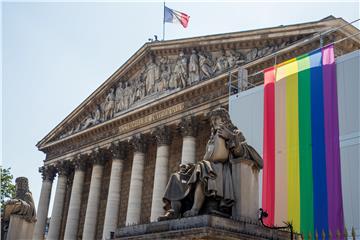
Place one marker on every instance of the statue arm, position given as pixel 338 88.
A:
pixel 236 144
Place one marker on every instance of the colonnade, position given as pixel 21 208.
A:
pixel 96 159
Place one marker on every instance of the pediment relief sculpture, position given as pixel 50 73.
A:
pixel 165 74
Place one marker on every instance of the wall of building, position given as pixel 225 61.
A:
pixel 348 85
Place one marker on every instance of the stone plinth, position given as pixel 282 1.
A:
pixel 245 175
pixel 19 228
pixel 200 227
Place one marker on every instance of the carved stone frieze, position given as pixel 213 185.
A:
pixel 139 143
pixel 165 74
pixel 188 126
pixel 162 135
pixel 48 172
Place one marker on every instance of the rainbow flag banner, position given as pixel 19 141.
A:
pixel 301 178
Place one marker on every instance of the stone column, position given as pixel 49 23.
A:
pixel 72 221
pixel 48 174
pixel 245 172
pixel 91 214
pixel 118 151
pixel 188 128
pixel 63 169
pixel 136 181
pixel 163 138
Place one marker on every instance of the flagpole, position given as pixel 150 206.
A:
pixel 164 23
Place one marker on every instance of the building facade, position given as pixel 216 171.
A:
pixel 113 154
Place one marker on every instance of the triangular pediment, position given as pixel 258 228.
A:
pixel 162 68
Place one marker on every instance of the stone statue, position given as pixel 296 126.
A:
pixel 207 186
pixel 126 96
pixel 180 72
pixel 194 75
pixel 109 105
pixel 140 89
pixel 119 97
pixel 165 73
pixel 93 119
pixel 131 93
pixel 222 63
pixel 22 204
pixel 205 66
pixel 152 74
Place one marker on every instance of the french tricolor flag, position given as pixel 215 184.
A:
pixel 173 16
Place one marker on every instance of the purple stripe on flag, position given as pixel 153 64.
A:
pixel 332 145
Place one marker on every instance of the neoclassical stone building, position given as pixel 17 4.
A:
pixel 113 154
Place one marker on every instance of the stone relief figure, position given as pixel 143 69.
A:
pixel 207 186
pixel 22 204
pixel 205 66
pixel 93 119
pixel 180 72
pixel 139 89
pixel 165 73
pixel 152 74
pixel 194 75
pixel 119 97
pixel 131 93
pixel 109 105
pixel 126 98
pixel 222 63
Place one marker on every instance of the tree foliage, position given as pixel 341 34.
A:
pixel 7 187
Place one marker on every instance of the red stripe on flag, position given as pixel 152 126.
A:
pixel 268 193
pixel 184 19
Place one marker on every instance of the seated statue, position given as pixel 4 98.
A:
pixel 207 187
pixel 22 204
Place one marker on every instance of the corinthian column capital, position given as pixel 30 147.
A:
pixel 138 142
pixel 118 150
pixel 64 168
pixel 98 156
pixel 162 135
pixel 48 172
pixel 188 126
pixel 81 162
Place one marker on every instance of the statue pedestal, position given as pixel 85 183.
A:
pixel 245 175
pixel 19 228
pixel 200 227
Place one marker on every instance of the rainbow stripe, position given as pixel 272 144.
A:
pixel 301 178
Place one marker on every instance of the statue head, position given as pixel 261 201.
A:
pixel 220 116
pixel 22 186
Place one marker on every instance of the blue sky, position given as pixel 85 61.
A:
pixel 54 55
